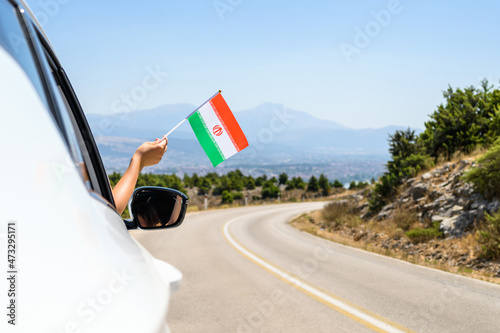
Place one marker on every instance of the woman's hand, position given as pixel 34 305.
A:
pixel 150 153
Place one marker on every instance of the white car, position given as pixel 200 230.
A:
pixel 68 263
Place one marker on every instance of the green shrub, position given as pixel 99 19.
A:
pixel 269 191
pixel 384 189
pixel 250 184
pixel 468 118
pixel 227 197
pixel 295 183
pixel 238 196
pixel 420 235
pixel 337 184
pixel 486 175
pixel 488 236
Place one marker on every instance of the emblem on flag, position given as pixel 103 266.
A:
pixel 217 130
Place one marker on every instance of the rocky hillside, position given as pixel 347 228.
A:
pixel 438 207
pixel 441 196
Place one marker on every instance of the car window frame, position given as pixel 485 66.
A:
pixel 42 52
pixel 90 152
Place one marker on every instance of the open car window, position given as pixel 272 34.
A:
pixel 92 166
pixel 69 116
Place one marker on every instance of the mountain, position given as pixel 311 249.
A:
pixel 279 138
pixel 147 123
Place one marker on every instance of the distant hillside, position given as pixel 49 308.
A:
pixel 147 123
pixel 277 136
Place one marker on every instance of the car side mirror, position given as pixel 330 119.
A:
pixel 157 208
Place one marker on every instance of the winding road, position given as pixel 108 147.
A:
pixel 247 270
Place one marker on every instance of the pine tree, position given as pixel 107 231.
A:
pixel 313 186
pixel 324 185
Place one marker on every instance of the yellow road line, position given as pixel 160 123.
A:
pixel 374 322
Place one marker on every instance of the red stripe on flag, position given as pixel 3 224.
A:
pixel 229 122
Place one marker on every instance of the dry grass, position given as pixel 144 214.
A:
pixel 340 213
pixel 335 211
pixel 304 223
pixel 456 248
pixel 403 218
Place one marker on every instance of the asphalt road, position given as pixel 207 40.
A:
pixel 247 270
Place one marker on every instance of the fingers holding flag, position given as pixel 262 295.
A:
pixel 163 142
pixel 150 153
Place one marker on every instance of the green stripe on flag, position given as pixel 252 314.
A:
pixel 208 143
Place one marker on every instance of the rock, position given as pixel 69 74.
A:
pixel 445 211
pixel 357 197
pixel 426 176
pixel 455 179
pixel 429 206
pixel 444 184
pixel 446 198
pixel 492 207
pixel 366 215
pixel 382 216
pixel 362 207
pixel 434 194
pixel 465 190
pixel 477 202
pixel 410 181
pixel 455 210
pixel 437 218
pixel 428 209
pixel 387 208
pixel 455 226
pixel 418 191
pixel 463 164
pixel 358 236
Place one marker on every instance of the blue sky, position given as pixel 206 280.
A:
pixel 360 63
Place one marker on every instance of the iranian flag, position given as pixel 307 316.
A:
pixel 219 133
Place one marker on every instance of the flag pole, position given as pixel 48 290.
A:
pixel 189 115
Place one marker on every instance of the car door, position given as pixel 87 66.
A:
pixel 78 268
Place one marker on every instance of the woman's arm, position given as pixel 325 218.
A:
pixel 149 153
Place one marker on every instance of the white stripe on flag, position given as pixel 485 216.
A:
pixel 211 120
